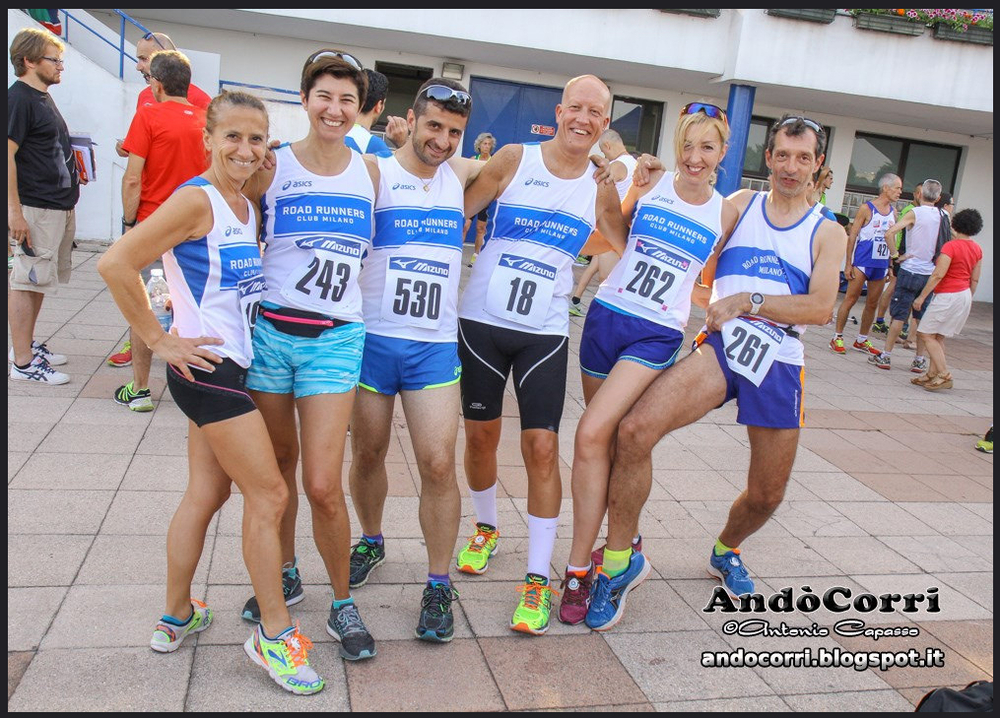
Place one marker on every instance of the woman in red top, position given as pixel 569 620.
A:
pixel 953 282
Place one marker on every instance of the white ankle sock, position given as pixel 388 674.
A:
pixel 484 503
pixel 541 542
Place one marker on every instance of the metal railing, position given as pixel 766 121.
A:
pixel 119 48
pixel 265 88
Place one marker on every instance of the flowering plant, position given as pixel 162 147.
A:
pixel 961 20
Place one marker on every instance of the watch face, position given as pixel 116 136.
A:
pixel 757 298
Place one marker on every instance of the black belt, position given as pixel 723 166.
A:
pixel 790 332
pixel 300 323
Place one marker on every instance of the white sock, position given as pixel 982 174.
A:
pixel 541 542
pixel 918 358
pixel 862 338
pixel 485 505
pixel 578 569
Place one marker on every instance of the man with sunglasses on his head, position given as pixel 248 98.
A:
pixel 777 273
pixel 410 291
pixel 514 316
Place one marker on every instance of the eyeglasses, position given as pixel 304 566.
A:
pixel 154 38
pixel 54 60
pixel 441 93
pixel 712 111
pixel 811 124
pixel 345 56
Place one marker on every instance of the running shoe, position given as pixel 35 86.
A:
pixel 286 660
pixel 123 357
pixel 346 626
pixel 135 400
pixel 473 259
pixel 729 569
pixel 575 311
pixel 532 612
pixel 882 361
pixel 837 345
pixel 919 366
pixel 575 596
pixel 582 261
pixel 366 556
pixel 40 349
pixel 905 333
pixel 475 557
pixel 291 586
pixel 880 328
pixel 607 602
pixel 985 444
pixel 38 371
pixel 437 624
pixel 865 347
pixel 168 637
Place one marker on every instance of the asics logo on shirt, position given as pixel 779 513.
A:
pixel 233 230
pixel 661 198
pixel 535 183
pixel 292 184
pixel 400 185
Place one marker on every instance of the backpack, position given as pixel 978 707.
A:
pixel 944 233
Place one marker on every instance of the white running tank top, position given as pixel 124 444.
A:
pixel 921 240
pixel 216 281
pixel 760 257
pixel 524 275
pixel 410 280
pixel 623 187
pixel 317 231
pixel 668 244
pixel 870 247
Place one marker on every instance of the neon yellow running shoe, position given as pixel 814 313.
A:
pixel 532 612
pixel 168 636
pixel 285 659
pixel 475 557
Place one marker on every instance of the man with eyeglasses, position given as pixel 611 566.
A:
pixel 43 187
pixel 777 273
pixel 166 148
pixel 514 317
pixel 410 291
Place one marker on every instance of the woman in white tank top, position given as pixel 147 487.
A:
pixel 635 325
pixel 317 203
pixel 208 229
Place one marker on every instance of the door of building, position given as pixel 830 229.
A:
pixel 511 112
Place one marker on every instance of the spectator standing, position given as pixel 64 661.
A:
pixel 42 190
pixel 166 148
pixel 360 137
pixel 954 280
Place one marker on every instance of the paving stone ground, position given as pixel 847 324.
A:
pixel 887 496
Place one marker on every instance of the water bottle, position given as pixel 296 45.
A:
pixel 159 295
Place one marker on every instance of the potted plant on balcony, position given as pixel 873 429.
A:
pixel 824 16
pixel 973 26
pixel 894 21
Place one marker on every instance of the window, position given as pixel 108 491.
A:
pixel 874 155
pixel 753 162
pixel 638 122
pixel 404 81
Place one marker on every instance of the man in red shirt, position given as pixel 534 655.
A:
pixel 166 148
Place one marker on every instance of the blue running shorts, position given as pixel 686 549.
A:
pixel 391 365
pixel 610 336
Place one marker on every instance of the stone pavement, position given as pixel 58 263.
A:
pixel 887 496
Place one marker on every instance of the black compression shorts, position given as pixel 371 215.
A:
pixel 212 396
pixel 538 361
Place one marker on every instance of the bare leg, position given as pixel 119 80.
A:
pixel 482 438
pixel 697 379
pixel 324 419
pixel 432 416
pixel 540 449
pixel 22 311
pixel 480 236
pixel 871 304
pixel 895 327
pixel 588 274
pixel 142 359
pixel 241 447
pixel 772 453
pixel 278 411
pixel 850 299
pixel 370 436
pixel 607 403
pixel 883 302
pixel 934 344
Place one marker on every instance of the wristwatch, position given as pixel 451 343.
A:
pixel 756 302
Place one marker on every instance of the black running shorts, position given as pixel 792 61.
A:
pixel 538 361
pixel 212 396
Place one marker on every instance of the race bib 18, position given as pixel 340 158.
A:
pixel 521 290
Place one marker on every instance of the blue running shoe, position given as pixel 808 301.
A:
pixel 607 602
pixel 729 569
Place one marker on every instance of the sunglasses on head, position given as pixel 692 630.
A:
pixel 712 111
pixel 440 93
pixel 345 56
pixel 811 124
pixel 154 38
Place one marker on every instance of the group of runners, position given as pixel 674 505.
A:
pixel 355 299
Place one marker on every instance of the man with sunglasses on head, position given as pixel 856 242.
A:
pixel 514 315
pixel 777 273
pixel 410 291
